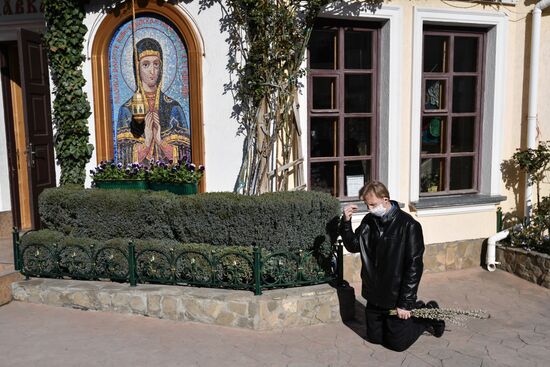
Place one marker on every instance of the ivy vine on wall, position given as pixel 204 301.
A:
pixel 64 39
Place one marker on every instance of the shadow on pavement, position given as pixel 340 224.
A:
pixel 352 311
pixel 357 323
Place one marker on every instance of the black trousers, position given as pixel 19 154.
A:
pixel 390 331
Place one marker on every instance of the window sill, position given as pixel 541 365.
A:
pixel 456 204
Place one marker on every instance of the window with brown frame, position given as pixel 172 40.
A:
pixel 342 107
pixel 452 90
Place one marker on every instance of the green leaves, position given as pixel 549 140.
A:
pixel 533 234
pixel 534 161
pixel 64 39
pixel 278 221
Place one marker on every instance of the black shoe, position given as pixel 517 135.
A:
pixel 438 328
pixel 435 327
pixel 419 304
pixel 432 304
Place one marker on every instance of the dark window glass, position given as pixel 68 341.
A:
pixel 435 61
pixel 323 177
pixel 358 93
pixel 463 134
pixel 324 137
pixel 324 93
pixel 431 174
pixel 357 136
pixel 465 55
pixel 358 50
pixel 464 93
pixel 462 173
pixel 322 49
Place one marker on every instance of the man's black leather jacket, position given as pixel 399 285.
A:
pixel 391 250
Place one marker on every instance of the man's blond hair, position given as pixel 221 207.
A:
pixel 377 188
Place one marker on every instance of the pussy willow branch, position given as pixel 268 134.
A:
pixel 453 315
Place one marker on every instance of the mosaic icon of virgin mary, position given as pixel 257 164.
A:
pixel 164 133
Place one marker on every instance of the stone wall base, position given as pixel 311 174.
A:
pixel 6 224
pixel 529 265
pixel 438 257
pixel 7 277
pixel 275 309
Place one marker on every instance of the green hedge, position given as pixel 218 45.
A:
pixel 274 221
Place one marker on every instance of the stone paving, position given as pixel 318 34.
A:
pixel 517 334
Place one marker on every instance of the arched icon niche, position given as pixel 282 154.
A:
pixel 168 44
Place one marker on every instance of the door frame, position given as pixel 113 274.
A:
pixel 10 132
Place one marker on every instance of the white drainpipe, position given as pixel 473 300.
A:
pixel 533 92
pixel 490 258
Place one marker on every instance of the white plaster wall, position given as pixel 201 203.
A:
pixel 544 77
pixel 517 94
pixel 223 149
pixel 544 95
pixel 438 229
pixel 5 202
pixel 91 21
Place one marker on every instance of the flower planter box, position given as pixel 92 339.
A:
pixel 179 189
pixel 122 184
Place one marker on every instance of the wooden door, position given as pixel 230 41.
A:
pixel 37 116
pixel 7 76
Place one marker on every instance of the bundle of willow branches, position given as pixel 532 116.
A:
pixel 453 315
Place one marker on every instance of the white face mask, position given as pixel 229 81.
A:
pixel 378 210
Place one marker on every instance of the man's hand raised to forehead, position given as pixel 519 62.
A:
pixel 348 211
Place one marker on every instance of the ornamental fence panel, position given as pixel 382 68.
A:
pixel 256 270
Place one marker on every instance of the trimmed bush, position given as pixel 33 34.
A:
pixel 274 221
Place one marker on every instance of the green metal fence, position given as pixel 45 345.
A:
pixel 228 269
pixel 499 219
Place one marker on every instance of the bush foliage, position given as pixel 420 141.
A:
pixel 274 221
pixel 533 232
pixel 534 235
pixel 64 40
